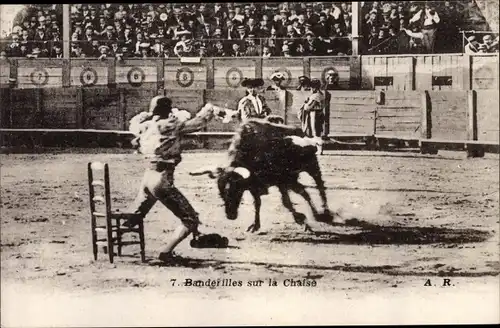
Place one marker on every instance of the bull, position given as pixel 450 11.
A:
pixel 265 154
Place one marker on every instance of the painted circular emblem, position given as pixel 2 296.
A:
pixel 488 76
pixel 88 76
pixel 39 76
pixel 136 76
pixel 185 77
pixel 326 70
pixel 234 76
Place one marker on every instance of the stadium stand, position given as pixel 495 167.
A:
pixel 254 29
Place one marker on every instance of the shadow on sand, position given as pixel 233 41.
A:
pixel 389 235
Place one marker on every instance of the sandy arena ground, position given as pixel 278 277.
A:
pixel 419 218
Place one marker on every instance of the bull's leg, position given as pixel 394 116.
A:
pixel 301 190
pixel 256 224
pixel 314 171
pixel 300 218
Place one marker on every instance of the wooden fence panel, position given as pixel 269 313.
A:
pixel 4 73
pixel 440 72
pixel 488 125
pixel 136 73
pixel 449 115
pixel 88 72
pixel 352 112
pixel 134 101
pixel 400 115
pixel 102 109
pixel 228 73
pixel 25 108
pixel 40 73
pixel 60 108
pixel 485 72
pixel 185 76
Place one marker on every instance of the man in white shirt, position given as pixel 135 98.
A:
pixel 429 26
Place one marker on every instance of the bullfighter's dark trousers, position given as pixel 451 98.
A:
pixel 158 184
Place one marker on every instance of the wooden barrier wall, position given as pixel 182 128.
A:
pixel 390 72
pixel 436 115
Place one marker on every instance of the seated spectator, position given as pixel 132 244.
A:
pixel 235 51
pixel 472 46
pixel 251 49
pixel 218 49
pixel 184 47
pixel 3 55
pixel 285 51
pixel 266 52
pixel 489 44
pixel 104 52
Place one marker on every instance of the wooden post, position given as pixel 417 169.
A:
pixel 210 73
pixel 426 118
pixel 473 150
pixel 356 13
pixel 471 115
pixel 426 125
pixel 160 74
pixel 80 114
pixel 282 102
pixel 258 68
pixel 39 108
pixel 66 31
pixel 122 109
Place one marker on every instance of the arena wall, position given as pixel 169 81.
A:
pixel 435 97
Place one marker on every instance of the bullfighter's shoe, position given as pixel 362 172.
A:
pixel 169 257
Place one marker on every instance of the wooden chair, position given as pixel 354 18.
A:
pixel 105 220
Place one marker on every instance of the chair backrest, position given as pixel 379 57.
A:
pixel 99 190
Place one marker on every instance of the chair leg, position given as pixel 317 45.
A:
pixel 111 242
pixel 142 242
pixel 119 236
pixel 94 239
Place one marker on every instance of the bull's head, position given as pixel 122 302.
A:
pixel 232 183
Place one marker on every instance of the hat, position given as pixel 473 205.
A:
pixel 163 17
pixel 103 47
pixel 35 51
pixel 285 48
pixel 186 33
pixel 40 28
pixel 309 33
pixel 109 27
pixel 303 78
pixel 277 76
pixel 251 35
pixel 315 83
pixel 241 27
pixel 41 19
pixel 252 83
pixel 145 45
pixel 153 36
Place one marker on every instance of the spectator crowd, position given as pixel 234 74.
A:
pixel 283 29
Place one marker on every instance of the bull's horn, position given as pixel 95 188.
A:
pixel 211 171
pixel 245 173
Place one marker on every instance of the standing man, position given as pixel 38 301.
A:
pixel 252 105
pixel 311 114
